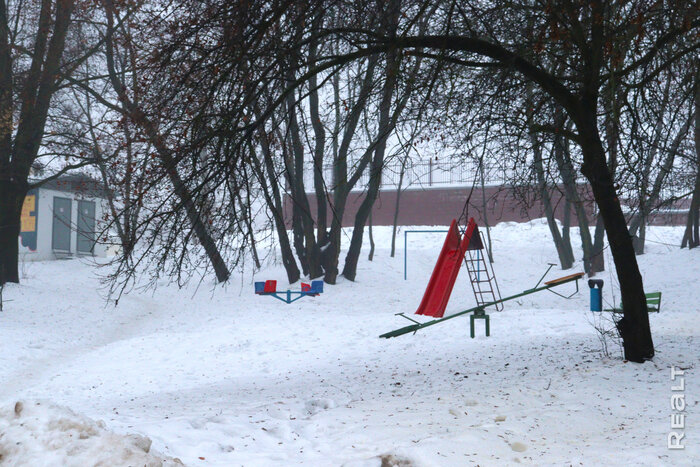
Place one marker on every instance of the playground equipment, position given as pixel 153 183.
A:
pixel 482 278
pixel 307 290
pixel 596 286
pixel 447 267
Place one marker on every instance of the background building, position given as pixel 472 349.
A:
pixel 60 220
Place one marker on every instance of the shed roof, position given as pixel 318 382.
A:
pixel 76 183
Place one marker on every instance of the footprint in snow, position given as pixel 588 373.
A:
pixel 518 446
pixel 315 406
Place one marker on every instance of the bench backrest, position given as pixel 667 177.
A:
pixel 654 301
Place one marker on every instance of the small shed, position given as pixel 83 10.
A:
pixel 61 219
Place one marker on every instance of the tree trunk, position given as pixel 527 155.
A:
pixel 566 230
pixel 564 259
pixel 634 326
pixel 37 84
pixel 166 157
pixel 301 201
pixel 11 199
pixel 274 202
pixel 690 236
pixel 396 206
pixel 562 156
pixel 298 236
pixel 639 248
pixel 331 254
pixel 484 206
pixel 320 142
pixel 611 105
pixel 341 185
pixel 371 239
pixel 193 215
pixel 246 216
pixel 597 257
pixel 648 200
pixel 638 225
pixel 383 128
pixel 692 230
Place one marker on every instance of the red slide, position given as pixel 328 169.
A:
pixel 439 289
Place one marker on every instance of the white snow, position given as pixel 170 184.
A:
pixel 43 434
pixel 224 377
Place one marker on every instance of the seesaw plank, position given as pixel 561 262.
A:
pixel 565 278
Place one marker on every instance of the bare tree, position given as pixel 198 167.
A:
pixel 691 236
pixel 169 158
pixel 33 60
pixel 577 33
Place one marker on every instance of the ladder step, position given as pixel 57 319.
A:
pixel 481 272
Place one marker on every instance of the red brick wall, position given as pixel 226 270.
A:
pixel 438 206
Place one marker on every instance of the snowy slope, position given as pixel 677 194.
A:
pixel 224 377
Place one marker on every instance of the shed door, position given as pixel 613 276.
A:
pixel 61 224
pixel 86 226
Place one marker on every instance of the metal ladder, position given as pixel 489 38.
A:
pixel 482 277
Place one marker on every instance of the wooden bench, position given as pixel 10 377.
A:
pixel 653 303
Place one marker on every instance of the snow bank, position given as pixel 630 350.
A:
pixel 42 434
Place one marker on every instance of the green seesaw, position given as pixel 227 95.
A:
pixel 479 312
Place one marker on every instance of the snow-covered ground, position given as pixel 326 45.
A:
pixel 225 377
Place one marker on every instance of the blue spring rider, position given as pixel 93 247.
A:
pixel 307 290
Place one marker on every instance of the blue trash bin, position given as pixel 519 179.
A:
pixel 596 286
